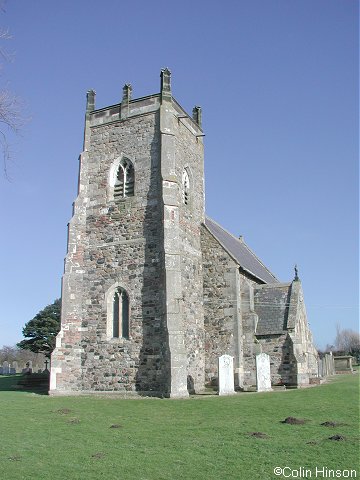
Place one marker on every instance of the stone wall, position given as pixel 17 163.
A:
pixel 304 349
pixel 182 148
pixel 251 347
pixel 282 361
pixel 223 335
pixel 189 155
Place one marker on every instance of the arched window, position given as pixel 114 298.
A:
pixel 120 314
pixel 125 179
pixel 185 187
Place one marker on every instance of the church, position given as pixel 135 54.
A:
pixel 154 291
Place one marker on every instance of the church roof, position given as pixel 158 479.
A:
pixel 272 307
pixel 240 252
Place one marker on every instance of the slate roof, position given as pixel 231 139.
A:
pixel 240 252
pixel 271 304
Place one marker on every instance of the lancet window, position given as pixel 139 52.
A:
pixel 185 187
pixel 125 180
pixel 120 314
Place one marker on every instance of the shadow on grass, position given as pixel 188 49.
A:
pixel 24 383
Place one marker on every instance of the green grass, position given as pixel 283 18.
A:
pixel 204 437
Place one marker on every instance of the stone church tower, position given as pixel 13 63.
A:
pixel 132 290
pixel 154 292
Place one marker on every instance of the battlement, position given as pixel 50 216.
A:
pixel 129 107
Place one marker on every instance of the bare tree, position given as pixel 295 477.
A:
pixel 11 116
pixel 346 340
pixel 14 353
pixel 329 347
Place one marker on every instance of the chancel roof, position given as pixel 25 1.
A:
pixel 271 304
pixel 241 253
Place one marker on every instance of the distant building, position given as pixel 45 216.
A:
pixel 153 290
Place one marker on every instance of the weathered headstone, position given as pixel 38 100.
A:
pixel 6 368
pixel 226 375
pixel 263 376
pixel 15 366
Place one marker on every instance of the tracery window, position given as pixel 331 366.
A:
pixel 185 187
pixel 125 180
pixel 120 314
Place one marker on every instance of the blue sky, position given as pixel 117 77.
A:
pixel 278 84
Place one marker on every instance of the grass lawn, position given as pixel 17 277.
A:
pixel 204 437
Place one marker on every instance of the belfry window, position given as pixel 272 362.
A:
pixel 125 180
pixel 120 317
pixel 185 187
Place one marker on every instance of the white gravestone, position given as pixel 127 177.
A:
pixel 226 375
pixel 263 376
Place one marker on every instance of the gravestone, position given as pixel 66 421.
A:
pixel 15 366
pixel 226 375
pixel 263 376
pixel 1 370
pixel 6 368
